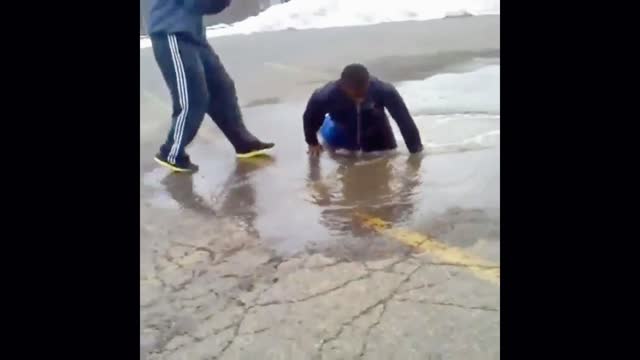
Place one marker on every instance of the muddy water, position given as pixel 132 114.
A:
pixel 296 204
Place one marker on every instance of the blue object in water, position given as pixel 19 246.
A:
pixel 333 134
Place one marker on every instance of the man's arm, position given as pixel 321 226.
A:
pixel 398 110
pixel 206 7
pixel 314 117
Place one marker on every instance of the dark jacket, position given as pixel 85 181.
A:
pixel 183 16
pixel 368 129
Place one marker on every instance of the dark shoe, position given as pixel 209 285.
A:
pixel 253 149
pixel 185 167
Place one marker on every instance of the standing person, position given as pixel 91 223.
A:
pixel 350 114
pixel 197 80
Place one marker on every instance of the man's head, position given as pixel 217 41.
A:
pixel 354 81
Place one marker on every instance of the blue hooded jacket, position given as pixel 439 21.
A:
pixel 183 16
pixel 364 127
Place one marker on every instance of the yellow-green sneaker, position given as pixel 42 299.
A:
pixel 183 167
pixel 254 149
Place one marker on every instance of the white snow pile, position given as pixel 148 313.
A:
pixel 308 14
pixel 314 14
pixel 477 91
pixel 456 111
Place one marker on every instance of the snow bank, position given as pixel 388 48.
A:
pixel 456 112
pixel 307 14
pixel 471 92
pixel 310 14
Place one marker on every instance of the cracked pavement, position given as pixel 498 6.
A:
pixel 250 304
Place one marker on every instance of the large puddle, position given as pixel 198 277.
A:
pixel 293 204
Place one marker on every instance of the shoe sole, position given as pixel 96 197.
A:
pixel 172 167
pixel 253 153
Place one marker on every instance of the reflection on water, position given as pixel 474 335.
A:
pixel 239 198
pixel 336 189
pixel 294 203
pixel 382 186
pixel 180 188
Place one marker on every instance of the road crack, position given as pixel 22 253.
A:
pixel 316 295
pixel 459 306
pixel 463 265
pixel 236 326
pixel 368 309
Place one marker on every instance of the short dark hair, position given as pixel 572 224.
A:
pixel 355 75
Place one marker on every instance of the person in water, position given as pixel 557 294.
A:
pixel 350 115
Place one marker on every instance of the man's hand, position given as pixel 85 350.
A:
pixel 315 150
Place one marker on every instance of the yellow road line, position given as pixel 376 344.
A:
pixel 481 268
